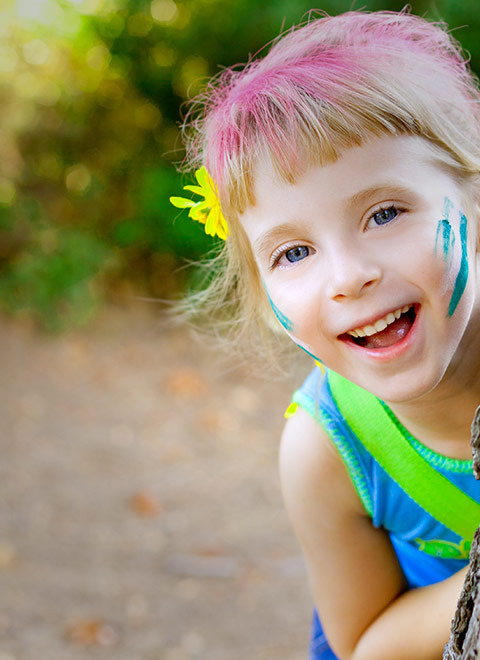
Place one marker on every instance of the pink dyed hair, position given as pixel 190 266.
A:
pixel 328 85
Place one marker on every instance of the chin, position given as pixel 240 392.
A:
pixel 402 388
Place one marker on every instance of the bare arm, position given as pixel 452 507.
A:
pixel 358 586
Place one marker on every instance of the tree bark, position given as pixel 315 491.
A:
pixel 464 642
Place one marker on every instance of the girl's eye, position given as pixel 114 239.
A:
pixel 297 253
pixel 384 216
pixel 283 258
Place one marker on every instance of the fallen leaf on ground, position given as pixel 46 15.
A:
pixel 145 503
pixel 217 420
pixel 186 383
pixel 92 632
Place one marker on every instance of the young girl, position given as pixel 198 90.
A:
pixel 347 166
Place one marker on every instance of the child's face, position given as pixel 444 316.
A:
pixel 376 242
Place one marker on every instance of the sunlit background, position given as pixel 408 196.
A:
pixel 140 510
pixel 91 94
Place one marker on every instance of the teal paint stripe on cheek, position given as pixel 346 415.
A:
pixel 281 318
pixel 444 234
pixel 311 354
pixel 447 207
pixel 462 276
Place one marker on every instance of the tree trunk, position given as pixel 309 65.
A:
pixel 464 642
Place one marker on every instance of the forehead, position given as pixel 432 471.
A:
pixel 407 162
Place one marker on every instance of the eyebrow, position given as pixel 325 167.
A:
pixel 386 189
pixel 263 242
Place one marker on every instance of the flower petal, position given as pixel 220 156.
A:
pixel 216 225
pixel 198 212
pixel 202 176
pixel 181 202
pixel 222 229
pixel 210 226
pixel 195 189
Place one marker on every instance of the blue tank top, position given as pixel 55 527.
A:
pixel 427 550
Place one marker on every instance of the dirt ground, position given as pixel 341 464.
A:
pixel 140 510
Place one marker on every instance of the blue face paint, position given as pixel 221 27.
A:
pixel 447 237
pixel 283 320
pixel 447 207
pixel 462 276
pixel 445 234
pixel 311 354
pixel 287 324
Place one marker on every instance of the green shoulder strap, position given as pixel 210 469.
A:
pixel 437 495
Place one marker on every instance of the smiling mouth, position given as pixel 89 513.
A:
pixel 384 333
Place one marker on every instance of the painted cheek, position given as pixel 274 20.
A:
pixel 287 324
pixel 445 240
pixel 462 275
pixel 445 243
pixel 284 321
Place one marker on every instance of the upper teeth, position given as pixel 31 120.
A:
pixel 379 325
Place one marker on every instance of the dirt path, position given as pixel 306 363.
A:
pixel 140 511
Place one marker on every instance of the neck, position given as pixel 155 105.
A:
pixel 441 419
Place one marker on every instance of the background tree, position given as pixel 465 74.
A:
pixel 464 642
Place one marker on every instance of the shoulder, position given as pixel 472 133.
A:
pixel 307 452
pixel 312 471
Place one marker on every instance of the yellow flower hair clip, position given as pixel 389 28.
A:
pixel 208 210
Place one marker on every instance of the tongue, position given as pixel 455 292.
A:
pixel 392 334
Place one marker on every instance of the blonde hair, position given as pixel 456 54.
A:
pixel 330 84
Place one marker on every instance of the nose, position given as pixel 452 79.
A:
pixel 352 273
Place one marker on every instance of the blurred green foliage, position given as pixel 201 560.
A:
pixel 90 101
